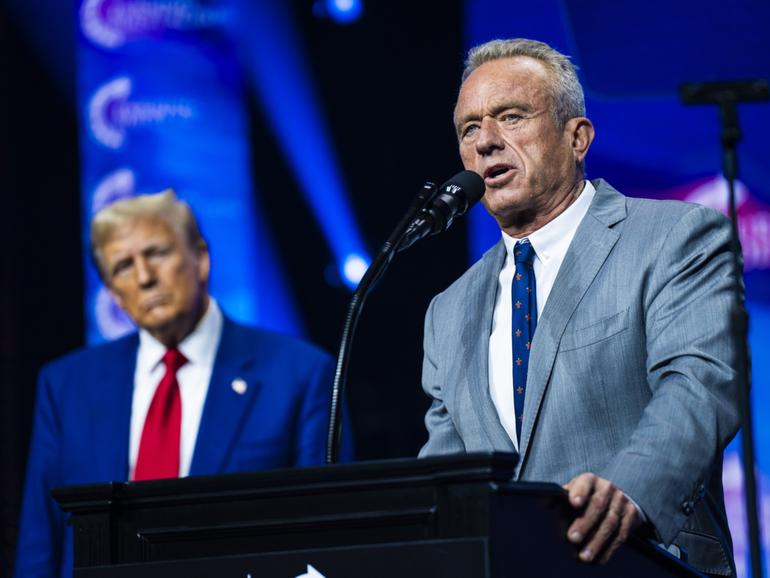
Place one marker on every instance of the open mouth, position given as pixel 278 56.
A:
pixel 497 172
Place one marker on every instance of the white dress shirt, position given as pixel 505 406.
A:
pixel 550 244
pixel 199 348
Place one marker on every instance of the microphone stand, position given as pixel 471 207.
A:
pixel 373 274
pixel 726 95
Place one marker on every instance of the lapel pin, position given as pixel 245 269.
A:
pixel 239 386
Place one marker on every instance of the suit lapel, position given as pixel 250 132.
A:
pixel 234 384
pixel 475 342
pixel 111 410
pixel 593 241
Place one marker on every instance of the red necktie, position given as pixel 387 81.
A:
pixel 159 448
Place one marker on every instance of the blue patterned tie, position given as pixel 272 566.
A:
pixel 524 300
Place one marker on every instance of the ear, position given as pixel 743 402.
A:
pixel 204 262
pixel 580 131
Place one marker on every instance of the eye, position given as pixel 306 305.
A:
pixel 511 117
pixel 469 130
pixel 120 267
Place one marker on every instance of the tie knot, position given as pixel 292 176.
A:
pixel 173 359
pixel 523 252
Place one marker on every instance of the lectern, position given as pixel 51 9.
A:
pixel 447 517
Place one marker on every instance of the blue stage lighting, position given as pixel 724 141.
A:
pixel 353 269
pixel 344 11
pixel 341 11
pixel 277 64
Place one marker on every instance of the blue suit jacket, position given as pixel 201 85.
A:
pixel 82 422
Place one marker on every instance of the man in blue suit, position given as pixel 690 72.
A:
pixel 191 393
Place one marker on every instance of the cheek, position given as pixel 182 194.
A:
pixel 468 157
pixel 523 146
pixel 178 271
pixel 130 304
pixel 119 298
pixel 184 278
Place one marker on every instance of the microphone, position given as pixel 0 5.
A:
pixel 429 214
pixel 452 200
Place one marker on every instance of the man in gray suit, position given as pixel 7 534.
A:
pixel 595 338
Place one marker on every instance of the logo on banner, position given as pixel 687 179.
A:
pixel 112 23
pixel 111 320
pixel 753 215
pixel 117 185
pixel 111 113
pixel 753 218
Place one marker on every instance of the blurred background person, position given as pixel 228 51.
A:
pixel 191 393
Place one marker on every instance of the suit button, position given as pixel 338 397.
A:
pixel 687 507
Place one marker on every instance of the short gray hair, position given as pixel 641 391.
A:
pixel 566 92
pixel 163 206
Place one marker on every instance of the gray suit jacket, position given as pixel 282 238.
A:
pixel 631 374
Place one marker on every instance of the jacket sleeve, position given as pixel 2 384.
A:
pixel 690 308
pixel 442 434
pixel 41 528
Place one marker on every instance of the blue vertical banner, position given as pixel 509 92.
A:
pixel 162 104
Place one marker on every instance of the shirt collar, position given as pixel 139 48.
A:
pixel 199 347
pixel 553 239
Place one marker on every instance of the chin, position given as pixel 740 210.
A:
pixel 156 321
pixel 502 204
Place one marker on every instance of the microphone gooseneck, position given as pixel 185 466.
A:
pixel 432 212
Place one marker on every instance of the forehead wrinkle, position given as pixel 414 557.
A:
pixel 517 82
pixel 123 245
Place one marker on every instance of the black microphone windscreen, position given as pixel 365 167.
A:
pixel 470 182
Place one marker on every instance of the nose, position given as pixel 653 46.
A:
pixel 145 273
pixel 489 138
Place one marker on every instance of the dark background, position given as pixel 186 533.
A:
pixel 386 87
pixel 382 95
pixel 40 268
pixel 385 84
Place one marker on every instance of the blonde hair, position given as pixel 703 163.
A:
pixel 163 206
